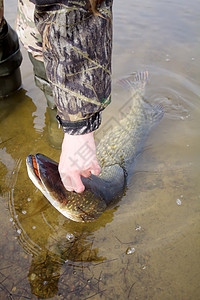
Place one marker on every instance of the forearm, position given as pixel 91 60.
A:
pixel 77 54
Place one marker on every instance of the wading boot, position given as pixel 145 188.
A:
pixel 10 60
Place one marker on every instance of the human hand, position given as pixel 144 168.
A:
pixel 78 158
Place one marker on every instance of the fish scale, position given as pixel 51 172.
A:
pixel 123 144
pixel 116 152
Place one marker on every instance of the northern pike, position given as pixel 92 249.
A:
pixel 116 152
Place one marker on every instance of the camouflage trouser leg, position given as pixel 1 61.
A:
pixel 41 80
pixel 31 40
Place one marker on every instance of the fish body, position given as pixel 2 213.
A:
pixel 116 153
pixel 83 207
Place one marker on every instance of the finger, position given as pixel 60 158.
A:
pixel 95 170
pixel 67 183
pixel 86 173
pixel 77 183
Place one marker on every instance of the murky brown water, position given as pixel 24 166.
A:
pixel 148 247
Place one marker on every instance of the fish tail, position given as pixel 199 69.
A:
pixel 136 83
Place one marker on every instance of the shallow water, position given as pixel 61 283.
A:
pixel 148 246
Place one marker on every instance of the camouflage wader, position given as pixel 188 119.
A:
pixel 76 48
pixel 31 40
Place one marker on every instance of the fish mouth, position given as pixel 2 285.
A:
pixel 32 169
pixel 34 165
pixel 84 207
pixel 34 174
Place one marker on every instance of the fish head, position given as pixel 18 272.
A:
pixel 84 207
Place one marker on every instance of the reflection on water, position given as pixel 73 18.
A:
pixel 148 246
pixel 51 240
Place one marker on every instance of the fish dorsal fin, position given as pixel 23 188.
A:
pixel 153 113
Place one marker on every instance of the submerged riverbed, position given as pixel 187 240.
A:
pixel 148 246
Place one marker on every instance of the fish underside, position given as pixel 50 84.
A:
pixel 116 153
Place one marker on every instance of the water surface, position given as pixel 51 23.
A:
pixel 148 246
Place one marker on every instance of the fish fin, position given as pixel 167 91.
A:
pixel 136 82
pixel 154 112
